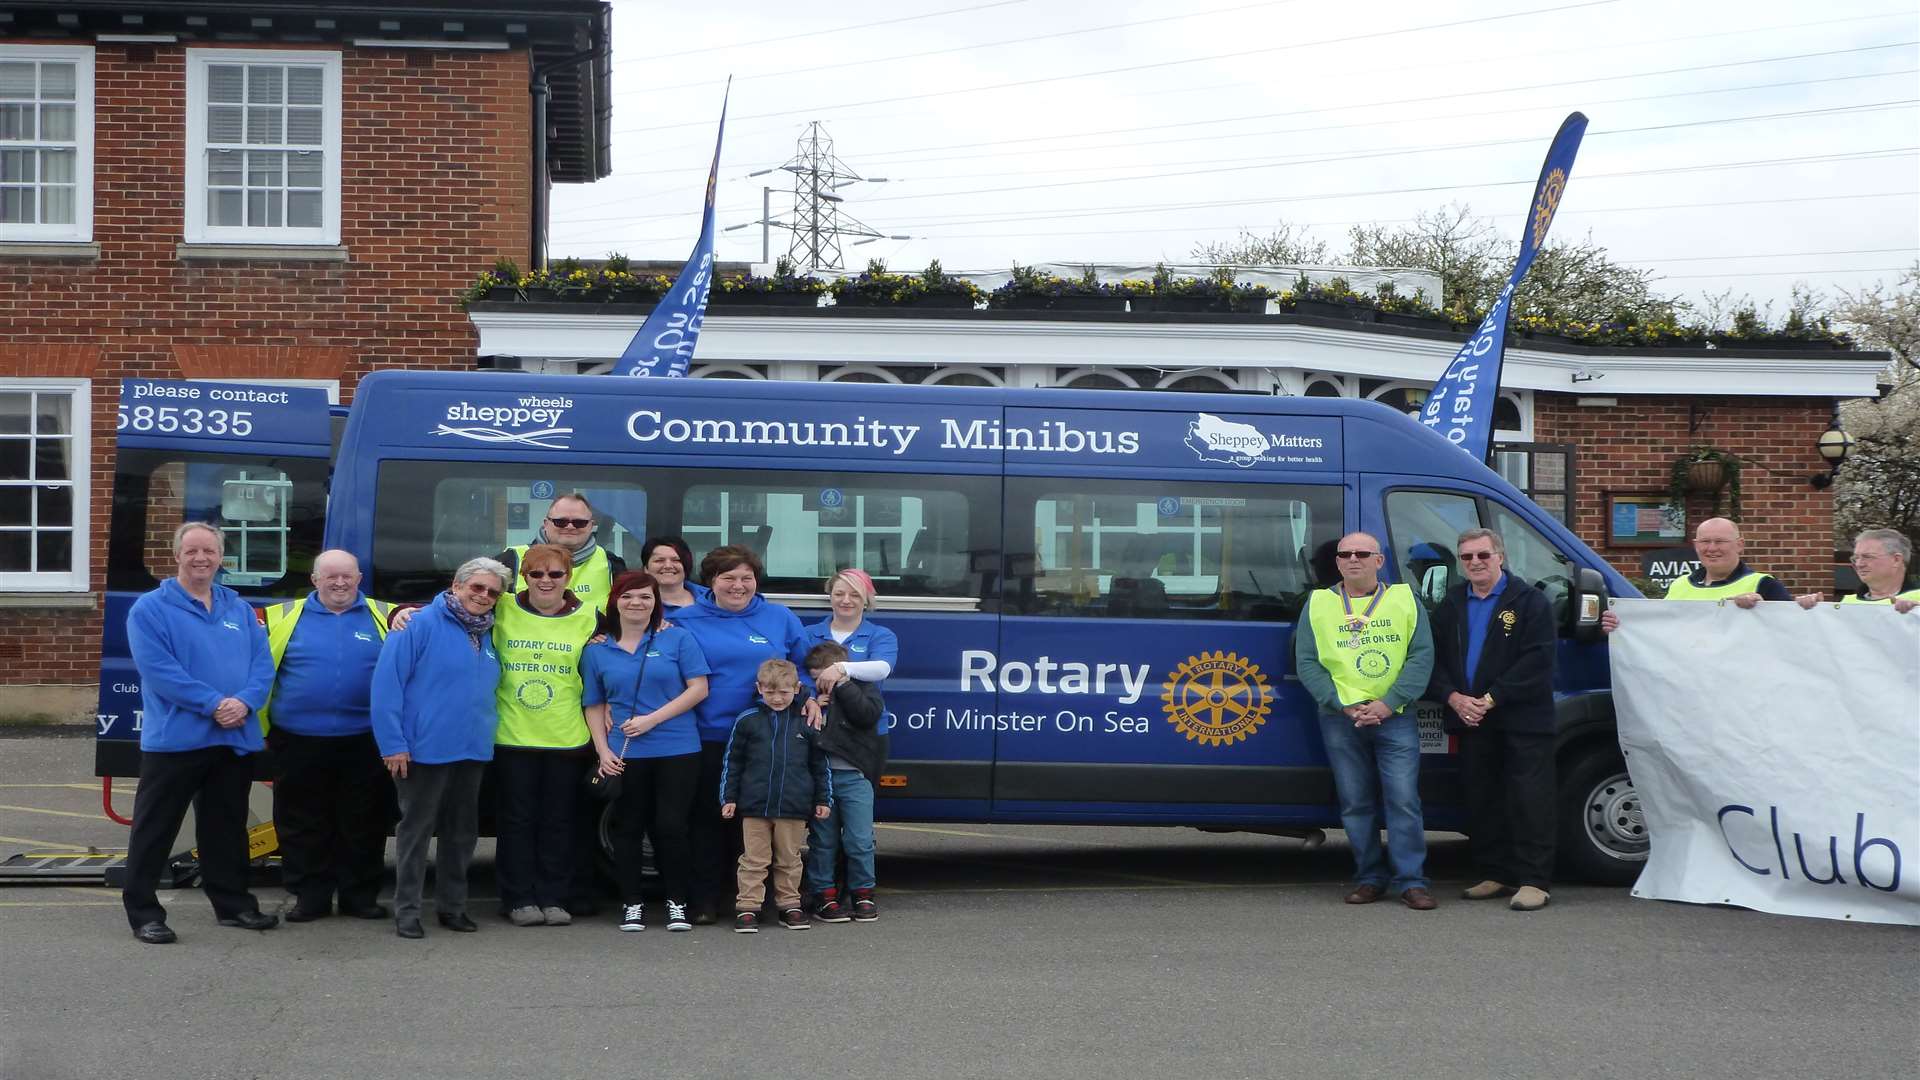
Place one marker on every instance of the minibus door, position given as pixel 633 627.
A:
pixel 249 458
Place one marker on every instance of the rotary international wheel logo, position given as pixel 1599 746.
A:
pixel 1217 698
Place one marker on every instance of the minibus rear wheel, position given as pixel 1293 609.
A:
pixel 1603 833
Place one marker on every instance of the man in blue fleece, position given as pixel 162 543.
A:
pixel 330 792
pixel 204 674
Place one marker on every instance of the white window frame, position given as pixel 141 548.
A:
pixel 79 578
pixel 198 231
pixel 81 230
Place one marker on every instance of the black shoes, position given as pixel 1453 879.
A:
pixel 408 927
pixel 251 920
pixel 459 923
pixel 156 933
pixel 864 907
pixel 828 909
pixel 301 913
pixel 746 922
pixel 795 919
pixel 371 911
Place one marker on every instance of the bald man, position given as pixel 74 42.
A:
pixel 330 791
pixel 1723 573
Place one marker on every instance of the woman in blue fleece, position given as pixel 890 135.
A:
pixel 737 629
pixel 204 674
pixel 434 718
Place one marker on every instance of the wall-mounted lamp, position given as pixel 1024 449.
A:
pixel 1834 445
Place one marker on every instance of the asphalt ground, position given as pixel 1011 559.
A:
pixel 1002 951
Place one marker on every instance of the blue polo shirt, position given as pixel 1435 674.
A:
pixel 325 682
pixel 1479 618
pixel 637 684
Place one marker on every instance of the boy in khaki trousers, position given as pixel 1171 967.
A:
pixel 776 778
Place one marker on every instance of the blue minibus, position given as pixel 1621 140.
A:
pixel 1095 591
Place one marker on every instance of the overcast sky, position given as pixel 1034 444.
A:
pixel 1743 144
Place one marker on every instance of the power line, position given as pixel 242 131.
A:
pixel 975 219
pixel 783 38
pixel 1717 204
pixel 1476 114
pixel 843 65
pixel 1788 273
pixel 1331 159
pixel 883 156
pixel 1375 155
pixel 1477 20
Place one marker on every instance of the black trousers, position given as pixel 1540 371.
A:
pixel 214 782
pixel 537 791
pixel 331 800
pixel 656 799
pixel 1510 804
pixel 716 841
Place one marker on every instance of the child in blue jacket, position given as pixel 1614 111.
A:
pixel 775 779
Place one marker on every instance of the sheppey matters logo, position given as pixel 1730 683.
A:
pixel 1232 442
pixel 531 420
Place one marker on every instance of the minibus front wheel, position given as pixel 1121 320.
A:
pixel 1603 832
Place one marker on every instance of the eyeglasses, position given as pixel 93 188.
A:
pixel 570 523
pixel 1476 556
pixel 536 575
pixel 1355 554
pixel 482 590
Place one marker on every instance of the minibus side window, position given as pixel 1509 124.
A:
pixel 272 511
pixel 1534 560
pixel 1425 526
pixel 1166 550
pixel 924 536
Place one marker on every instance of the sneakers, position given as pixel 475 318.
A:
pixel 828 908
pixel 746 922
pixel 1529 898
pixel 633 918
pixel 527 916
pixel 1486 890
pixel 677 916
pixel 864 909
pixel 794 919
pixel 557 916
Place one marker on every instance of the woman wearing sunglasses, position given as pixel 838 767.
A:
pixel 433 708
pixel 540 633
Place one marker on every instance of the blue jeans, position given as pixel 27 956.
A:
pixel 1376 771
pixel 850 827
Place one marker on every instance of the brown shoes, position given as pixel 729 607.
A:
pixel 1419 899
pixel 1487 890
pixel 1365 894
pixel 1529 899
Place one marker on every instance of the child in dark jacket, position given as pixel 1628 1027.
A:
pixel 856 752
pixel 775 778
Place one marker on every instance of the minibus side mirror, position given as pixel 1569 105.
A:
pixel 1589 600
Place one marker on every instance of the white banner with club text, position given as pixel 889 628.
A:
pixel 1776 753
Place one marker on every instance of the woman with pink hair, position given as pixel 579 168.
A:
pixel 866 653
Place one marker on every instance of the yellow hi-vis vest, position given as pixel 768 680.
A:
pixel 281 619
pixel 1910 594
pixel 591 581
pixel 1684 588
pixel 1367 670
pixel 538 697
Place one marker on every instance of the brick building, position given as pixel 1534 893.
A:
pixel 294 192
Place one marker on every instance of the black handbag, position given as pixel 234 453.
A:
pixel 607 788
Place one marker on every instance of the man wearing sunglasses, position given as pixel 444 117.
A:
pixel 1365 654
pixel 570 524
pixel 1493 640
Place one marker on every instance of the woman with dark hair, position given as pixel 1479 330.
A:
pixel 667 559
pixel 737 629
pixel 643 682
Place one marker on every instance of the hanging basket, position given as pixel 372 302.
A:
pixel 1706 476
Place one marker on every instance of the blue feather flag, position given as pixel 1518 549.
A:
pixel 1460 406
pixel 664 345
